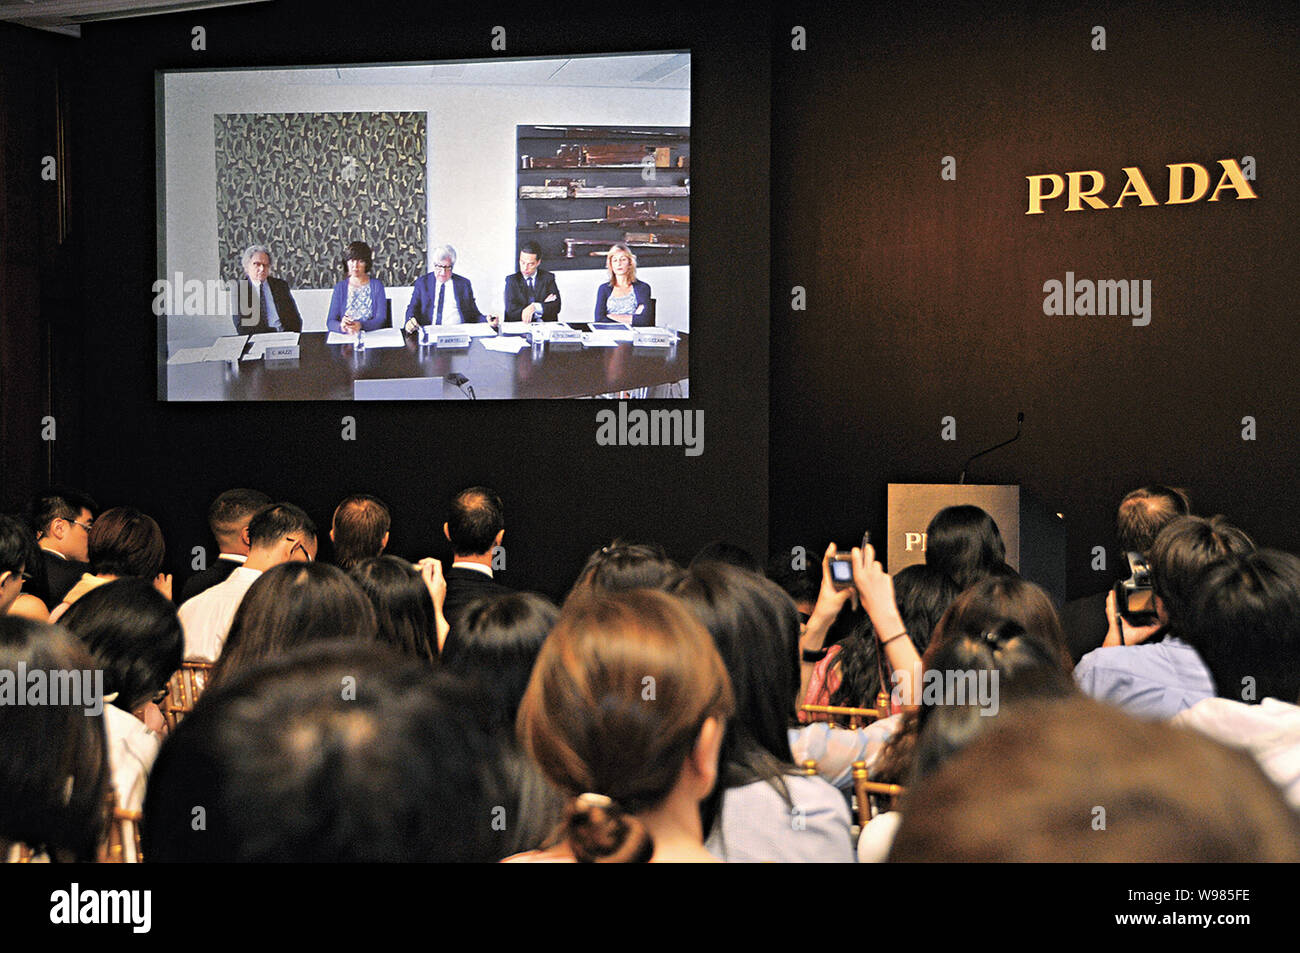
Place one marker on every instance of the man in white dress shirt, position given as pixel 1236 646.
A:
pixel 280 533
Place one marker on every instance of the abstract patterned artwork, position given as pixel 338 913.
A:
pixel 307 184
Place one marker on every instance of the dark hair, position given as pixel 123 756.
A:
pixel 360 524
pixel 530 247
pixel 496 644
pixel 477 515
pixel 59 503
pixel 403 607
pixel 231 511
pixel 1145 512
pixel 132 631
pixel 1181 553
pixel 15 550
pixel 721 551
pixel 964 542
pixel 587 723
pixel 54 771
pixel 620 566
pixel 1246 625
pixel 801 585
pixel 756 629
pixel 923 595
pixel 359 251
pixel 272 523
pixel 290 605
pixel 292 767
pixel 126 542
pixel 1028 790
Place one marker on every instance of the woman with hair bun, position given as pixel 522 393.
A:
pixel 625 714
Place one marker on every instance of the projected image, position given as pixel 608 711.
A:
pixel 478 230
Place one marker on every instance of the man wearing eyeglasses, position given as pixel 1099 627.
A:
pixel 62 519
pixel 442 298
pixel 280 533
pixel 14 543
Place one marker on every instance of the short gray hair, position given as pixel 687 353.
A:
pixel 252 250
pixel 444 251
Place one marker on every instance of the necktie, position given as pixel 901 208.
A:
pixel 531 289
pixel 442 290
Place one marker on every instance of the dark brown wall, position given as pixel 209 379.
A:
pixel 925 297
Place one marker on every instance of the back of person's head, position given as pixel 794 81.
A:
pixel 988 605
pixel 134 635
pixel 477 515
pixel 290 605
pixel 335 752
pixel 756 628
pixel 964 542
pixel 496 644
pixel 14 547
pixel 617 701
pixel 59 503
pixel 802 585
pixel 54 772
pixel 403 607
pixel 621 566
pixel 359 530
pixel 1182 552
pixel 971 678
pixel 1145 512
pixel 273 523
pixel 721 551
pixel 1245 625
pixel 231 512
pixel 126 542
pixel 1076 780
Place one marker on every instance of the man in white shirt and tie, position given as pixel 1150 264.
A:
pixel 280 533
pixel 442 298
pixel 263 303
pixel 531 292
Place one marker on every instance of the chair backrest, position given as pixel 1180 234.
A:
pixel 864 791
pixel 123 844
pixel 184 689
pixel 857 717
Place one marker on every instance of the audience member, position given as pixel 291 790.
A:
pixel 135 638
pixel 964 542
pixel 721 551
pixel 15 551
pixel 290 768
pixel 475 527
pixel 625 714
pixel 123 542
pixel 621 566
pixel 409 617
pixel 1072 780
pixel 1246 627
pixel 277 534
pixel 1163 674
pixel 359 530
pixel 294 604
pixel 228 518
pixel 756 629
pixel 54 774
pixel 62 520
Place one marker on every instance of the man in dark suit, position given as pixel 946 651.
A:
pixel 263 303
pixel 62 519
pixel 441 298
pixel 475 528
pixel 228 518
pixel 531 292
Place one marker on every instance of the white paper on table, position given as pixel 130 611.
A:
pixel 189 355
pixel 617 335
pixel 227 348
pixel 511 345
pixel 479 329
pixel 275 337
pixel 338 337
pixel 384 337
pixel 518 327
pixel 600 339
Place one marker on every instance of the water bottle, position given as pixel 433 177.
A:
pixel 361 339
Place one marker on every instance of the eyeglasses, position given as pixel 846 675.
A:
pixel 158 698
pixel 297 546
pixel 85 526
pixel 442 267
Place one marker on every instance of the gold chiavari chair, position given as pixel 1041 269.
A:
pixel 184 689
pixel 864 790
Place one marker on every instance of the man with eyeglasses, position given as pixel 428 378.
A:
pixel 279 533
pixel 443 298
pixel 15 543
pixel 62 519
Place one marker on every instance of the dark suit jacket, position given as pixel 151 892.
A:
pixel 463 587
pixel 518 296
pixel 208 578
pixel 52 579
pixel 424 301
pixel 284 306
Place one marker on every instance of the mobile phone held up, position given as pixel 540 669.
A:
pixel 842 566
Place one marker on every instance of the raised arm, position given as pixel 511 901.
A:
pixel 876 588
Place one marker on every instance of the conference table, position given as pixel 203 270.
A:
pixel 422 371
